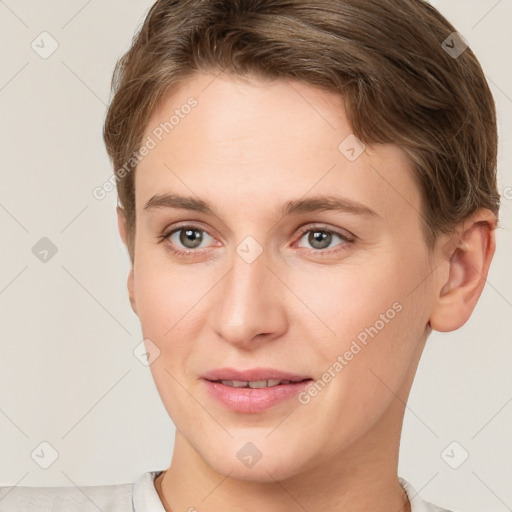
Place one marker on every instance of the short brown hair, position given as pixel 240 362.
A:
pixel 386 57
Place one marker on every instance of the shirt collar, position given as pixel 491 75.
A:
pixel 417 503
pixel 146 499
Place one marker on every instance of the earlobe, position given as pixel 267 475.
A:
pixel 466 259
pixel 131 293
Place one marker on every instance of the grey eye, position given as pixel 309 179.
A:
pixel 188 237
pixel 321 238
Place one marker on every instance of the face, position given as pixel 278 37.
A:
pixel 267 280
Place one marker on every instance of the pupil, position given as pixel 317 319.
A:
pixel 191 235
pixel 319 236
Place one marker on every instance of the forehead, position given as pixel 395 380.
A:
pixel 264 142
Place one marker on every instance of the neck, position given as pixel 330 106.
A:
pixel 362 477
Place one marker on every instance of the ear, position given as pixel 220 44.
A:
pixel 464 264
pixel 121 224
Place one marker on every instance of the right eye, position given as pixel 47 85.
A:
pixel 185 239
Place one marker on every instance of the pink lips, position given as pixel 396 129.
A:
pixel 253 400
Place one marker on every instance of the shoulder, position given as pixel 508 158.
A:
pixel 107 498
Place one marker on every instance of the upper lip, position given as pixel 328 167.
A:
pixel 252 374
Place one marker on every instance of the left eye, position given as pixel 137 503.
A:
pixel 320 238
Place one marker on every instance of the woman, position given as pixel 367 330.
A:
pixel 306 190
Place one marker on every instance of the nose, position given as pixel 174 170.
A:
pixel 250 303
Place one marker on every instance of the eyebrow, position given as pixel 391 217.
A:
pixel 297 206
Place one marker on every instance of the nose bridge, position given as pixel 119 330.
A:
pixel 247 304
pixel 245 284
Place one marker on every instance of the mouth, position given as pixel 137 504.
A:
pixel 253 377
pixel 254 391
pixel 258 384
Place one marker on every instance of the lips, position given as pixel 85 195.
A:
pixel 253 375
pixel 254 399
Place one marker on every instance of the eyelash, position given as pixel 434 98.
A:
pixel 324 229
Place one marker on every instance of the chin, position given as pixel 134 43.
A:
pixel 269 472
pixel 276 465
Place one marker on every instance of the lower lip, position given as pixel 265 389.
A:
pixel 253 400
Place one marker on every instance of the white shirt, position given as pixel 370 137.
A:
pixel 140 496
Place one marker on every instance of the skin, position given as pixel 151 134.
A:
pixel 248 147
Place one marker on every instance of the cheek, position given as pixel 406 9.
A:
pixel 164 294
pixel 164 300
pixel 343 301
pixel 367 315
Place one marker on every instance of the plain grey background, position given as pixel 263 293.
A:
pixel 68 373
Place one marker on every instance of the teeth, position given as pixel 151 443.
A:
pixel 259 384
pixel 235 383
pixel 256 384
